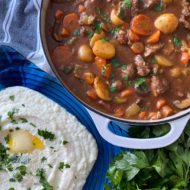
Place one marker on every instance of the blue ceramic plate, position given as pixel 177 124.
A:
pixel 15 70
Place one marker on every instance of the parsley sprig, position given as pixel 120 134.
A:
pixel 163 169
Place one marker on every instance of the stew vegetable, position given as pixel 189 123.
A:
pixel 127 58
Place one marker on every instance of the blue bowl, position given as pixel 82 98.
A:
pixel 15 70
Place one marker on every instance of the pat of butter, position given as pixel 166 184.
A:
pixel 22 141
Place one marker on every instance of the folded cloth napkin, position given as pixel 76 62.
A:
pixel 19 29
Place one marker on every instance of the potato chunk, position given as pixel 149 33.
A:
pixel 101 89
pixel 104 49
pixel 85 53
pixel 115 19
pixel 166 23
pixel 162 61
pixel 96 37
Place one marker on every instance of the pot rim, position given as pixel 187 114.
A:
pixel 42 18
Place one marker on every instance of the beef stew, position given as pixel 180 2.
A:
pixel 127 58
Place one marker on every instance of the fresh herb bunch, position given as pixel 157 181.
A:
pixel 162 169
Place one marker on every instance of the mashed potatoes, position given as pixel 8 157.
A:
pixel 41 144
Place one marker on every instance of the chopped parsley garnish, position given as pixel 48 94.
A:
pixel 12 98
pixel 114 31
pixel 23 120
pixel 67 70
pixel 50 166
pixel 46 134
pixel 104 16
pixel 76 32
pixel 113 89
pixel 124 67
pixel 153 61
pixel 90 34
pixel 42 175
pixel 125 77
pixel 65 142
pixel 20 173
pixel 11 115
pixel 33 125
pixel 177 42
pixel 159 7
pixel 62 165
pixel 127 3
pixel 98 27
pixel 7 139
pixel 43 159
pixel 104 40
pixel 139 82
pixel 115 62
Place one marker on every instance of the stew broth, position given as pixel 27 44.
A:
pixel 127 58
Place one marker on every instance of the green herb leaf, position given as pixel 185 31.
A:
pixel 43 159
pixel 139 82
pixel 159 7
pixel 127 3
pixel 163 169
pixel 62 165
pixel 46 134
pixel 12 98
pixel 116 63
pixel 177 42
pixel 65 142
pixel 42 175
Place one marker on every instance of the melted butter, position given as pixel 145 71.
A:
pixel 22 141
pixel 37 143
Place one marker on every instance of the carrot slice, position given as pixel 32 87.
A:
pixel 137 47
pixel 154 38
pixel 106 70
pixel 59 14
pixel 185 58
pixel 142 25
pixel 61 55
pixel 126 93
pixel 92 94
pixel 119 112
pixel 143 115
pixel 81 8
pixel 132 36
pixel 160 103
pixel 166 111
pixel 71 22
pixel 89 78
pixel 100 62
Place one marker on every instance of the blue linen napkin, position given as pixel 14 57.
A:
pixel 19 20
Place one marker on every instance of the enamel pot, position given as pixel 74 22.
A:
pixel 177 122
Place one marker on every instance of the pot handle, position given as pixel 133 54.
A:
pixel 177 128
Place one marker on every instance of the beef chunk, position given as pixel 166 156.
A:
pixel 169 48
pixel 143 68
pixel 158 86
pixel 128 12
pixel 185 16
pixel 121 36
pixel 150 49
pixel 134 7
pixel 149 3
pixel 130 71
